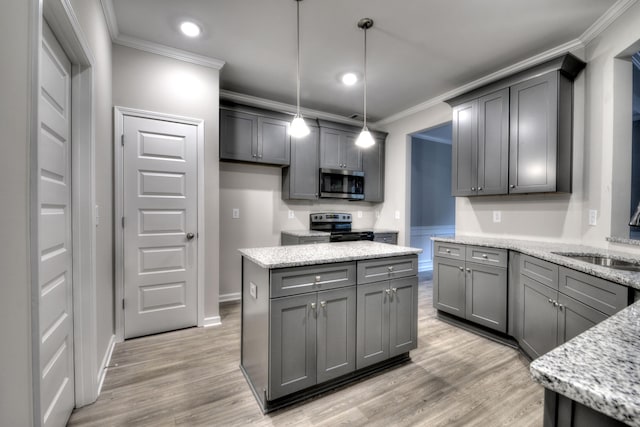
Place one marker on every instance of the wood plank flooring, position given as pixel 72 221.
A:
pixel 191 378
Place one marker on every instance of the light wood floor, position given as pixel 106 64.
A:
pixel 191 378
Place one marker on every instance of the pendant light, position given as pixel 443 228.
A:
pixel 298 128
pixel 365 139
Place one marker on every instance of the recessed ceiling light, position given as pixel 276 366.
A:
pixel 190 29
pixel 349 79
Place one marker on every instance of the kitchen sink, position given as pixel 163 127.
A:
pixel 604 261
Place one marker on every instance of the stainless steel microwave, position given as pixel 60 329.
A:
pixel 341 184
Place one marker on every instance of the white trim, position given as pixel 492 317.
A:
pixel 234 296
pixel 284 108
pixel 110 17
pixel 102 372
pixel 66 27
pixel 118 129
pixel 212 321
pixel 170 52
pixel 602 23
pixel 422 136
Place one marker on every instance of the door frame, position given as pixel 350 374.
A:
pixel 118 132
pixel 88 374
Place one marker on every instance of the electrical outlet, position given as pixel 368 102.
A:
pixel 397 215
pixel 235 213
pixel 291 215
pixel 359 214
pixel 497 216
pixel 593 217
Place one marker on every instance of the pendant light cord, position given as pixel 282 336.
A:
pixel 298 56
pixel 365 78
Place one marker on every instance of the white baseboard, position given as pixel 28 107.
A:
pixel 230 297
pixel 102 372
pixel 212 321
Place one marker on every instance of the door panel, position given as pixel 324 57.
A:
pixel 449 286
pixel 303 172
pixel 539 317
pixel 160 202
pixel 273 141
pixel 330 149
pixel 486 290
pixel 55 306
pixel 403 316
pixel 373 324
pixel 575 318
pixel 493 143
pixel 351 152
pixel 238 136
pixel 292 361
pixel 465 150
pixel 336 333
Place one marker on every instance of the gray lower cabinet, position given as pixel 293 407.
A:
pixel 471 282
pixel 300 181
pixel 539 318
pixel 560 411
pixel 390 238
pixel 387 317
pixel 253 137
pixel 287 239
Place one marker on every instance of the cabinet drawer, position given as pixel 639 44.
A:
pixel 314 239
pixel 391 238
pixel 605 296
pixel 387 268
pixel 448 250
pixel 539 270
pixel 298 280
pixel 489 256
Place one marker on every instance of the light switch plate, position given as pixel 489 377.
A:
pixel 291 215
pixel 497 216
pixel 359 214
pixel 235 213
pixel 593 217
pixel 253 290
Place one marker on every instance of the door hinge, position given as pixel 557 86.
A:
pixel 122 139
pixel 123 303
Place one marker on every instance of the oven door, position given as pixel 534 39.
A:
pixel 341 184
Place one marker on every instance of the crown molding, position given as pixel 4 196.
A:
pixel 110 16
pixel 512 69
pixel 282 107
pixel 605 20
pixel 160 49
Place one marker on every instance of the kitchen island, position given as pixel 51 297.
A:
pixel 315 317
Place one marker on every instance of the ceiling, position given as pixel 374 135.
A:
pixel 417 49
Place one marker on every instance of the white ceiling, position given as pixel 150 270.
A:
pixel 418 49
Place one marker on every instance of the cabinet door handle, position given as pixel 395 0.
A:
pixel 479 188
pixel 555 303
pixel 468 270
pixel 388 291
pixel 313 306
pixel 560 306
pixel 550 301
pixel 323 304
pixel 473 188
pixel 448 251
pixel 395 290
pixel 485 256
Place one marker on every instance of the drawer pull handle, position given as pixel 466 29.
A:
pixel 485 256
pixel 313 306
pixel 318 278
pixel 448 251
pixel 461 268
pixel 323 304
pixel 390 268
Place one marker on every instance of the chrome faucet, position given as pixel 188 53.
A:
pixel 635 219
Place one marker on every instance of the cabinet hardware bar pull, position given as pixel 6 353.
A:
pixel 313 306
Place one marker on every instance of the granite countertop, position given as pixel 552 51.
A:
pixel 548 251
pixel 599 368
pixel 312 233
pixel 323 253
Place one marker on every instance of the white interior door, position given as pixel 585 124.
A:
pixel 160 225
pixel 54 247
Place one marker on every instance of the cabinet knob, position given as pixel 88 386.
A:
pixel 313 306
pixel 468 270
pixel 485 256
pixel 323 304
pixel 317 278
pixel 395 290
pixel 390 268
pixel 550 301
pixel 448 251
pixel 473 188
pixel 479 188
pixel 461 268
pixel 388 291
pixel 560 306
pixel 512 186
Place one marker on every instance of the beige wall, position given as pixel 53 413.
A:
pixel 92 22
pixel 257 191
pixel 15 328
pixel 155 83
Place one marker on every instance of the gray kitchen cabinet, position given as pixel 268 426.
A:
pixel 386 237
pixel 471 282
pixel 338 150
pixel 387 320
pixel 287 239
pixel 540 138
pixel 560 411
pixel 253 137
pixel 312 339
pixel 575 317
pixel 300 181
pixel 480 148
pixel 539 317
pixel 373 166
pixel 515 135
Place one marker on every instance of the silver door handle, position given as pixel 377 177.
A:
pixel 485 256
pixel 468 270
pixel 479 188
pixel 461 268
pixel 190 236
pixel 550 301
pixel 317 278
pixel 473 188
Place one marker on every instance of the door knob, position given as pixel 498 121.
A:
pixel 190 236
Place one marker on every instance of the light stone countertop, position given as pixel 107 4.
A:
pixel 323 253
pixel 547 251
pixel 599 368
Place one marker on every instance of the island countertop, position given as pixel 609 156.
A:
pixel 323 253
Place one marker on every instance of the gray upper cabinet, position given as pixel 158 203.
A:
pixel 301 179
pixel 338 149
pixel 373 166
pixel 251 136
pixel 515 135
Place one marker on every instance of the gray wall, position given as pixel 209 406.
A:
pixel 91 18
pixel 15 328
pixel 151 82
pixel 431 201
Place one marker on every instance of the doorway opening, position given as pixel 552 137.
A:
pixel 634 231
pixel 432 206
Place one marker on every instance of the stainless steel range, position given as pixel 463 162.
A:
pixel 339 225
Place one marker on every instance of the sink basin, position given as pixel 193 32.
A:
pixel 604 261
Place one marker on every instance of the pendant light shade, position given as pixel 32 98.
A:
pixel 365 139
pixel 298 128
